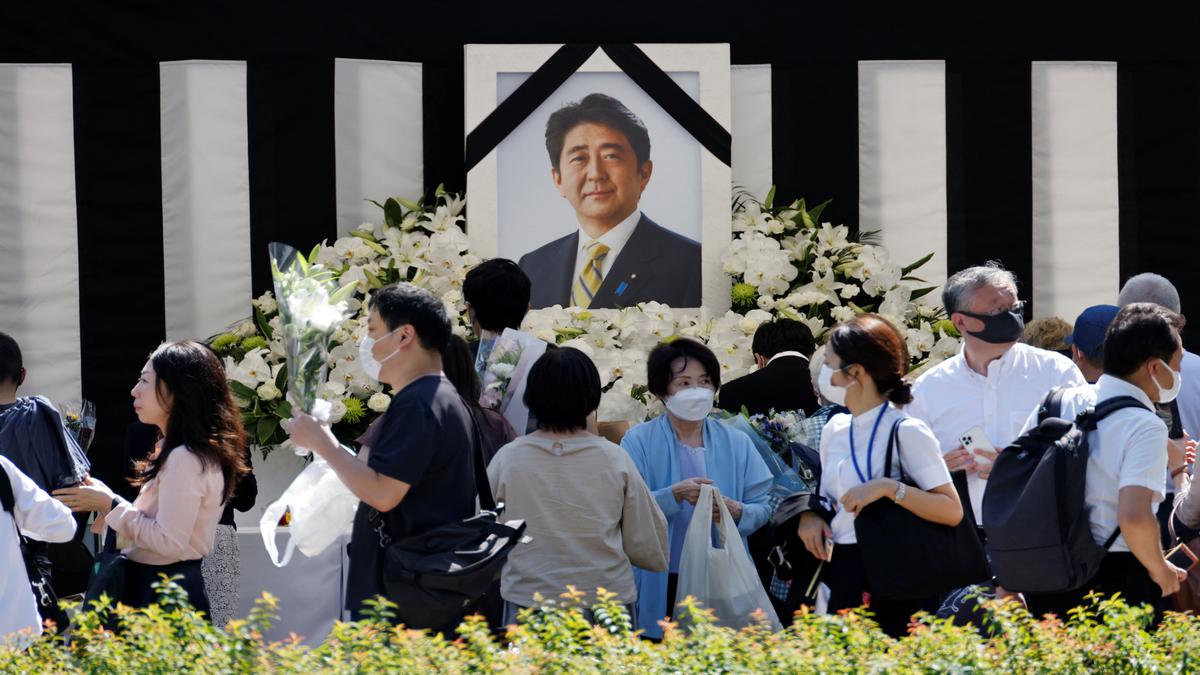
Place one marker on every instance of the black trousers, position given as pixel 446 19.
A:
pixel 140 576
pixel 849 588
pixel 1118 573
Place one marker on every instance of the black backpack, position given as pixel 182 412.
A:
pixel 1039 539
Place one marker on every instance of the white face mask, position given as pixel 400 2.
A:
pixel 1167 395
pixel 692 404
pixel 832 392
pixel 366 356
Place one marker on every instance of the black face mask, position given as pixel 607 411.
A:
pixel 999 328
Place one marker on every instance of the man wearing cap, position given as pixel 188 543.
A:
pixel 1087 340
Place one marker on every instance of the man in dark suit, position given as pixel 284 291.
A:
pixel 782 349
pixel 600 163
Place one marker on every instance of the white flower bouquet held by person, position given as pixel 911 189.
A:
pixel 511 357
pixel 311 308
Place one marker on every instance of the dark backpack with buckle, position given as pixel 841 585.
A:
pixel 1039 539
pixel 37 565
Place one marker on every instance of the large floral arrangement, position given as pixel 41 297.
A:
pixel 782 261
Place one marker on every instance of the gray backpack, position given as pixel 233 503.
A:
pixel 1038 536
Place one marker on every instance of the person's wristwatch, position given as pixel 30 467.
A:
pixel 901 488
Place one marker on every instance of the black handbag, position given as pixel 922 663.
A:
pixel 37 564
pixel 435 576
pixel 108 573
pixel 909 558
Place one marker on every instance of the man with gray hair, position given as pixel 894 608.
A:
pixel 991 385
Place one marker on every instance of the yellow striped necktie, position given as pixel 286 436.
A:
pixel 589 279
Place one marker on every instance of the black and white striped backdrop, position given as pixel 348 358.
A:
pixel 148 153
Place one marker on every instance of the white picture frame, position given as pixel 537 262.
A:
pixel 702 68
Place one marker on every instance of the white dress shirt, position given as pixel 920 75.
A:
pixel 1189 396
pixel 951 398
pixel 40 517
pixel 919 454
pixel 1128 448
pixel 615 239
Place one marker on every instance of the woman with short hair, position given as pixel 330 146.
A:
pixel 588 512
pixel 683 449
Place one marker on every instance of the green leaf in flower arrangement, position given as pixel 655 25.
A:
pixel 283 409
pixel 264 326
pixel 922 292
pixel 316 251
pixel 374 202
pixel 393 215
pixel 281 379
pixel 815 212
pixel 440 190
pixel 770 199
pixel 908 268
pixel 409 204
pixel 242 391
pixel 266 428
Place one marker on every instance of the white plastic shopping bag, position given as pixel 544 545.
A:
pixel 322 510
pixel 722 579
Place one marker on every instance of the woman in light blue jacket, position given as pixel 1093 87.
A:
pixel 684 449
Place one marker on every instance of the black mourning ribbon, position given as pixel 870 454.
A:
pixel 568 59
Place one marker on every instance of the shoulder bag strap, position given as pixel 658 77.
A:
pixel 893 442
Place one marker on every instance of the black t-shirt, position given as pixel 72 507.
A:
pixel 425 439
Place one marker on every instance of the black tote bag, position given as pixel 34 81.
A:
pixel 909 558
pixel 435 576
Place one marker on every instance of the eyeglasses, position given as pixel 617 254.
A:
pixel 1018 307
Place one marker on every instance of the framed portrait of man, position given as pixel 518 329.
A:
pixel 602 197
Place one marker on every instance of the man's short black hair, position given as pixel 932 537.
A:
pixel 10 360
pixel 498 292
pixel 403 303
pixel 596 109
pixel 783 335
pixel 1139 332
pixel 562 389
pixel 659 372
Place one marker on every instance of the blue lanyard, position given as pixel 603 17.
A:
pixel 870 445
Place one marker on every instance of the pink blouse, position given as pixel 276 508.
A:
pixel 179 526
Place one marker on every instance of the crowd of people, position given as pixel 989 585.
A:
pixel 614 515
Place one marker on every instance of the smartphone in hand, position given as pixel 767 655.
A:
pixel 1182 557
pixel 973 440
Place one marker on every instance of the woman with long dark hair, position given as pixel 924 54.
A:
pixel 184 487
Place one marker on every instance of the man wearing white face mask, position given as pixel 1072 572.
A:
pixel 415 472
pixel 683 449
pixel 1128 459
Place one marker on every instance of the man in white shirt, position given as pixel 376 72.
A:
pixel 994 381
pixel 600 163
pixel 39 516
pixel 1127 459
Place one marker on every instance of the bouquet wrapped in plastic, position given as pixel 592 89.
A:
pixel 80 419
pixel 311 307
pixel 507 365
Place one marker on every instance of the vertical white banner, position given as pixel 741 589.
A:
pixel 206 196
pixel 902 160
pixel 751 110
pixel 1076 261
pixel 39 240
pixel 378 144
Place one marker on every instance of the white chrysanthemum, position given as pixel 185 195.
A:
pixel 842 314
pixel 268 392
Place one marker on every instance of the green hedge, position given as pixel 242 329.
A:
pixel 170 637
